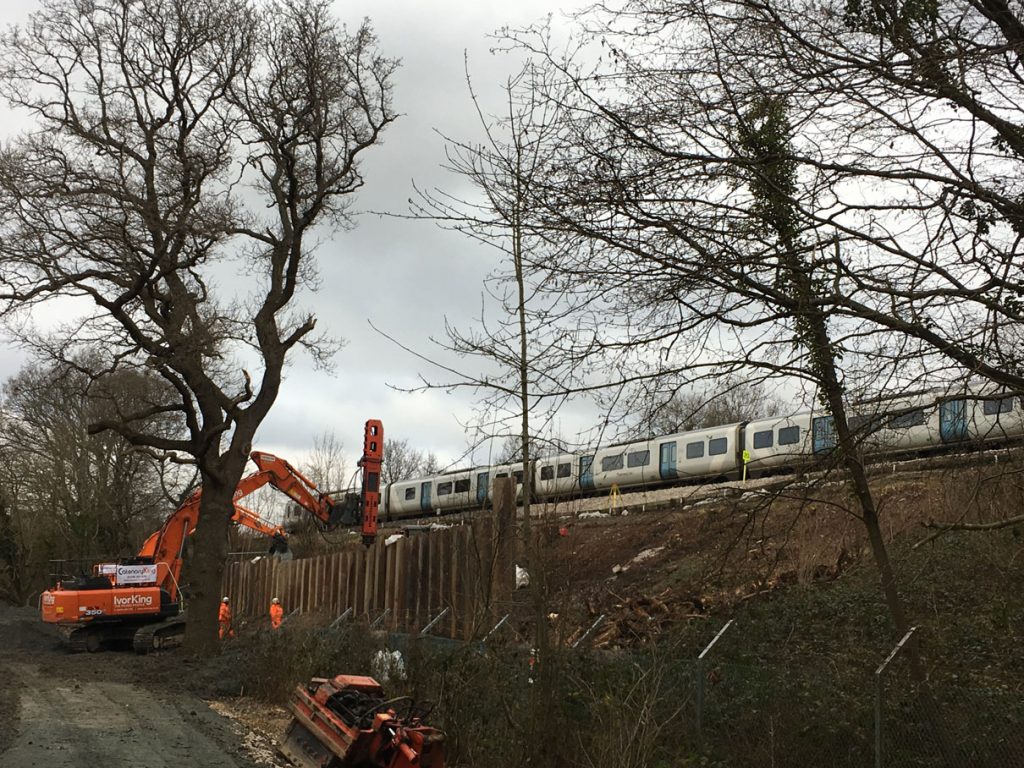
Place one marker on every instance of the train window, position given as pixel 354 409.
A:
pixel 789 435
pixel 764 439
pixel 444 489
pixel 501 474
pixel 866 424
pixel 638 459
pixel 547 473
pixel 518 476
pixel 410 494
pixel 462 486
pixel 909 419
pixel 610 463
pixel 695 450
pixel 565 470
pixel 718 446
pixel 998 405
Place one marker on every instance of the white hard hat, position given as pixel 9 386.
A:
pixel 224 600
pixel 275 600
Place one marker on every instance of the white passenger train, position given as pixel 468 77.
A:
pixel 917 422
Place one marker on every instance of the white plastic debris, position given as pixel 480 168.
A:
pixel 393 538
pixel 617 569
pixel 388 665
pixel 647 554
pixel 522 578
pixel 593 514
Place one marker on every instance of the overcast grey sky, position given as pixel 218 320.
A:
pixel 404 276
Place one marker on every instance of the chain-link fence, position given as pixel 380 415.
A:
pixel 665 705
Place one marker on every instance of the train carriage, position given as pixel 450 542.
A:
pixel 624 466
pixel 910 423
pixel 993 418
pixel 775 443
pixel 555 476
pixel 712 452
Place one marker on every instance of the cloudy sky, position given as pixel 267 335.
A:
pixel 403 276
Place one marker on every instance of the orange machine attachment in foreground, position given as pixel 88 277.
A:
pixel 346 722
pixel 139 599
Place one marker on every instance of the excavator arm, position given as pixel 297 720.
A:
pixel 249 519
pixel 167 544
pixel 277 472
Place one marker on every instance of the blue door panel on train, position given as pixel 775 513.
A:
pixel 824 434
pixel 587 472
pixel 953 420
pixel 482 481
pixel 425 496
pixel 667 461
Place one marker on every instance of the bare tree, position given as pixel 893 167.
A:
pixel 175 142
pixel 69 494
pixel 720 178
pixel 523 364
pixel 99 494
pixel 327 464
pixel 718 402
pixel 402 462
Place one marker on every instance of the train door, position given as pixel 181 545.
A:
pixel 483 480
pixel 587 472
pixel 824 434
pixel 425 494
pixel 667 461
pixel 953 420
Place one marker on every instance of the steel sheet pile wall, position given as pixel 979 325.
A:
pixel 465 569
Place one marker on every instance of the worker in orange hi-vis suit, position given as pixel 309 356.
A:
pixel 276 613
pixel 224 617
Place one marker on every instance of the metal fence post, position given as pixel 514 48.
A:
pixel 376 622
pixel 496 628
pixel 345 615
pixel 879 694
pixel 433 621
pixel 587 634
pixel 700 681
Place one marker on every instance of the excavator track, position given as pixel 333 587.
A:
pixel 91 638
pixel 83 640
pixel 155 637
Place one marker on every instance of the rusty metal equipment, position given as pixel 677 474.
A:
pixel 346 722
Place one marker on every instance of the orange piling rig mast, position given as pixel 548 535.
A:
pixel 139 599
pixel 373 454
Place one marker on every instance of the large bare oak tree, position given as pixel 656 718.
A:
pixel 179 155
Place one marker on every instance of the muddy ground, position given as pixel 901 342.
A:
pixel 61 710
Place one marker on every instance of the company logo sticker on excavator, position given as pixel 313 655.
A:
pixel 136 574
pixel 133 601
pixel 48 598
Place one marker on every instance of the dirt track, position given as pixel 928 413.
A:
pixel 61 710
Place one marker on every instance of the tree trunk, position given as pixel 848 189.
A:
pixel 206 567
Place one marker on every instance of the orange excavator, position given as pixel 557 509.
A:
pixel 139 598
pixel 347 722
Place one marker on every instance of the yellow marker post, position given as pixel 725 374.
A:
pixel 746 460
pixel 613 498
